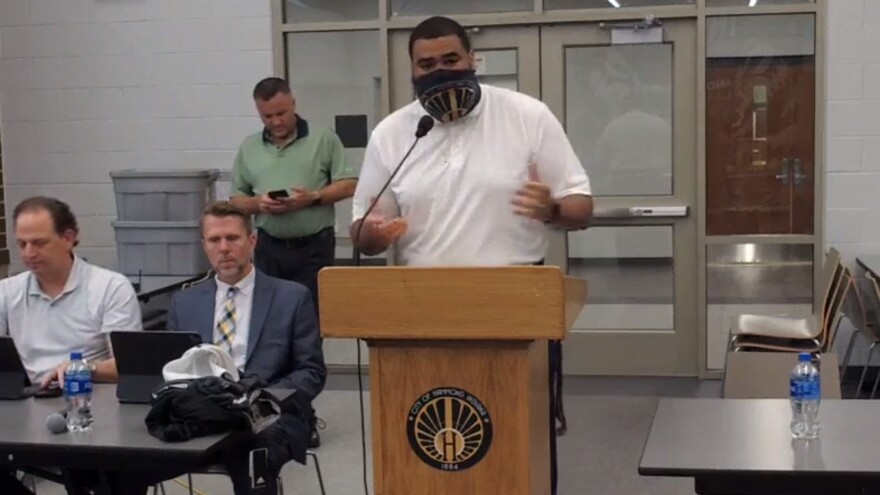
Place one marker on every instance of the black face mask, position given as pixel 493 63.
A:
pixel 448 95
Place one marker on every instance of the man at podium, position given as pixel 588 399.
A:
pixel 482 187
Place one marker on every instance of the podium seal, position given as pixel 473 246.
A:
pixel 449 429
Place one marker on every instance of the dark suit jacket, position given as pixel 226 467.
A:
pixel 284 342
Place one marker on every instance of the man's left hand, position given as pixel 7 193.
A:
pixel 534 199
pixel 301 198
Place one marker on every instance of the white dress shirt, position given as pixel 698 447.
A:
pixel 456 188
pixel 244 301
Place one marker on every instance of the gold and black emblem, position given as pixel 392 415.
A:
pixel 449 429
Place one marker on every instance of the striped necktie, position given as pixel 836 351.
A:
pixel 226 325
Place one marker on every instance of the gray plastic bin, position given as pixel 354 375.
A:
pixel 170 195
pixel 159 248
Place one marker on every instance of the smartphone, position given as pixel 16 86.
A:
pixel 48 393
pixel 280 193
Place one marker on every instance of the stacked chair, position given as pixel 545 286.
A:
pixel 867 325
pixel 814 333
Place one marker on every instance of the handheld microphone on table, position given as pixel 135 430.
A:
pixel 426 123
pixel 56 422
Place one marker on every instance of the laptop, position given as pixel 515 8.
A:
pixel 14 381
pixel 140 357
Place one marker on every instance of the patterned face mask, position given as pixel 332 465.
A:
pixel 448 95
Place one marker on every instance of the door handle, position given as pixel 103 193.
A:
pixel 798 172
pixel 642 211
pixel 785 173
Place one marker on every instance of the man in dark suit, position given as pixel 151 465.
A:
pixel 268 325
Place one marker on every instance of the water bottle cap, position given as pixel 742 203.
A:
pixel 805 356
pixel 76 356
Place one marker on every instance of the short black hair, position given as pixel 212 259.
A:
pixel 269 87
pixel 63 218
pixel 438 27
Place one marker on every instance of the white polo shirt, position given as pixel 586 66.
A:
pixel 456 188
pixel 94 302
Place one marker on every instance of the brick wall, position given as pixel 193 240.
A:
pixel 853 125
pixel 89 86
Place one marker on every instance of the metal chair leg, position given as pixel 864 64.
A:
pixel 314 456
pixel 865 369
pixel 846 357
pixel 189 481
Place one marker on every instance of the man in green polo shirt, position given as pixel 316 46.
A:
pixel 289 176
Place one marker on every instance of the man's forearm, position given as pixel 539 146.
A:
pixel 367 243
pixel 337 191
pixel 249 204
pixel 105 372
pixel 575 212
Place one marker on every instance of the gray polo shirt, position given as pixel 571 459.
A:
pixel 94 302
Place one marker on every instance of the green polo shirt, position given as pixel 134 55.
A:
pixel 313 160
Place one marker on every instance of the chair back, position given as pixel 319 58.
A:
pixel 841 294
pixel 854 305
pixel 872 307
pixel 832 268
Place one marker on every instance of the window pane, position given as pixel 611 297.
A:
pixel 446 7
pixel 330 10
pixel 630 273
pixel 335 78
pixel 604 4
pixel 775 280
pixel 618 115
pixel 752 3
pixel 760 124
pixel 498 68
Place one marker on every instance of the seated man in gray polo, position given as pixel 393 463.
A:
pixel 62 303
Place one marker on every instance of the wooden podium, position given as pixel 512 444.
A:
pixel 458 371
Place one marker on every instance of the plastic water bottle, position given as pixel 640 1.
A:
pixel 78 394
pixel 805 397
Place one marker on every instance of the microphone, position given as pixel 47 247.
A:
pixel 56 423
pixel 426 123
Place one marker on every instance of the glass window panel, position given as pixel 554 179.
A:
pixel 446 7
pixel 334 74
pixel 752 3
pixel 630 273
pixel 775 280
pixel 605 4
pixel 498 68
pixel 618 115
pixel 760 124
pixel 330 10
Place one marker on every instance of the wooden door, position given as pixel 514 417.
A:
pixel 760 136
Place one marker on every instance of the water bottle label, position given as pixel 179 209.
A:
pixel 77 386
pixel 805 389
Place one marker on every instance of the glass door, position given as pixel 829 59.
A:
pixel 624 93
pixel 761 244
